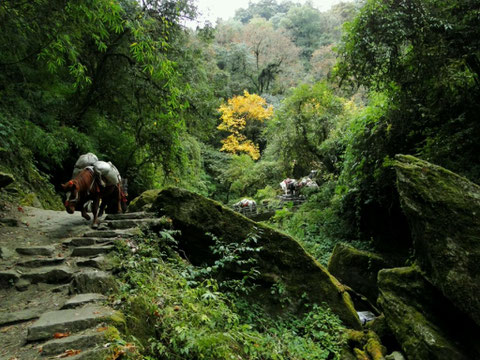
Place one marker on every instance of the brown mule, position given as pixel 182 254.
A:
pixel 82 188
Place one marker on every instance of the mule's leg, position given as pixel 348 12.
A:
pixel 102 208
pixel 119 199
pixel 96 202
pixel 84 211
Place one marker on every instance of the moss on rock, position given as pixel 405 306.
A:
pixel 31 187
pixel 281 260
pixel 366 344
pixel 144 201
pixel 424 322
pixel 139 319
pixel 357 269
pixel 443 210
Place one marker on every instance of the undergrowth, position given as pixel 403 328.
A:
pixel 177 311
pixel 318 224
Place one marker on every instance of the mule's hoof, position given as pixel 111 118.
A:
pixel 94 226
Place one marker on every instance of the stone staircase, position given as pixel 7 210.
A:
pixel 61 294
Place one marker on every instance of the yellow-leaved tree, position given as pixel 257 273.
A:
pixel 236 114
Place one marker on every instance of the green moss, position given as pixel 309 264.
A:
pixel 118 320
pixel 357 268
pixel 32 188
pixel 424 323
pixel 442 209
pixel 144 201
pixel 32 200
pixel 112 333
pixel 140 322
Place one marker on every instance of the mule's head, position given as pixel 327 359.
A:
pixel 71 196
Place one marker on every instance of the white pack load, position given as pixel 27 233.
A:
pixel 108 172
pixel 245 204
pixel 83 161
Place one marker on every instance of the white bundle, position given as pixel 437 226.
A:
pixel 83 161
pixel 108 172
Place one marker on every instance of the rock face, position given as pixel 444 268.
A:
pixel 144 201
pixel 424 322
pixel 357 269
pixel 443 210
pixel 281 260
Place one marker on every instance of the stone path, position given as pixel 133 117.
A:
pixel 53 290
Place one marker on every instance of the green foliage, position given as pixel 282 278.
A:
pixel 425 57
pixel 267 193
pixel 318 224
pixel 297 135
pixel 230 257
pixel 194 320
pixel 99 78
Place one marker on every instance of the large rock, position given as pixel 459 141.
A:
pixel 357 269
pixel 144 201
pixel 281 261
pixel 443 210
pixel 424 322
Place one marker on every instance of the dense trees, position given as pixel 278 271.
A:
pixel 422 57
pixel 98 77
pixel 124 79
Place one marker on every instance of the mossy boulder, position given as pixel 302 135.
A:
pixel 357 269
pixel 144 201
pixel 424 322
pixel 443 210
pixel 281 260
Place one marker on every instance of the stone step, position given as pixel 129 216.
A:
pixel 93 281
pixel 93 354
pixel 19 316
pixel 40 262
pixel 85 340
pixel 8 278
pixel 83 299
pixel 99 262
pixel 92 250
pixel 5 253
pixel 50 274
pixel 133 215
pixel 87 241
pixel 71 320
pixel 36 250
pixel 112 233
pixel 132 223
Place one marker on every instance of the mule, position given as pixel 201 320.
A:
pixel 82 188
pixel 116 203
